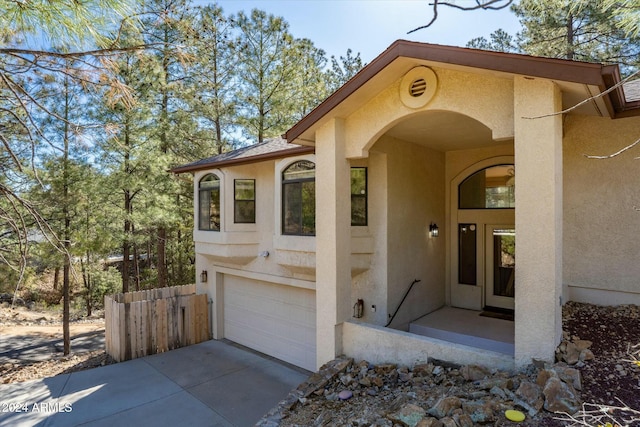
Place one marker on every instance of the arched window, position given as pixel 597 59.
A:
pixel 209 203
pixel 299 199
pixel 490 188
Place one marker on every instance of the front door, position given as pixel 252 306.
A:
pixel 500 266
pixel 483 239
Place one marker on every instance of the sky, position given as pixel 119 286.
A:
pixel 370 26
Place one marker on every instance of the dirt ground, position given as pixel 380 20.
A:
pixel 31 345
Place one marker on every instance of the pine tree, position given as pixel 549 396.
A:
pixel 267 68
pixel 582 30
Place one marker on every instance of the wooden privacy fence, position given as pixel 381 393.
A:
pixel 154 321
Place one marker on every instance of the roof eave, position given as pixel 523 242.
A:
pixel 289 152
pixel 557 69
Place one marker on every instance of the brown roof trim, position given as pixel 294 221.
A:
pixel 246 160
pixel 551 68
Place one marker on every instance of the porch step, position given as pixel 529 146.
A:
pixel 467 327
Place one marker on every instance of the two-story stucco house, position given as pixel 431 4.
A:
pixel 433 166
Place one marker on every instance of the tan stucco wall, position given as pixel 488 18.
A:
pixel 538 153
pixel 371 285
pixel 377 344
pixel 415 198
pixel 239 245
pixel 236 248
pixel 601 245
pixel 484 98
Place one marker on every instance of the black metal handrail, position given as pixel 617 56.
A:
pixel 403 298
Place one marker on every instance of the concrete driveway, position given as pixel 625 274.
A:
pixel 214 383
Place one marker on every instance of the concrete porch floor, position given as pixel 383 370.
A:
pixel 467 327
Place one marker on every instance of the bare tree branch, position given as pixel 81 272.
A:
pixel 485 5
pixel 591 98
pixel 617 153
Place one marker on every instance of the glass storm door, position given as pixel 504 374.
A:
pixel 500 267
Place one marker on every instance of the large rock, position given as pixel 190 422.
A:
pixel 560 397
pixel 463 420
pixel 430 422
pixel 531 393
pixel 409 415
pixel 474 372
pixel 422 370
pixel 569 375
pixel 445 407
pixel 572 354
pixel 480 411
pixel 544 375
pixel 448 422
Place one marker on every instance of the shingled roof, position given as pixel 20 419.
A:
pixel 632 90
pixel 270 149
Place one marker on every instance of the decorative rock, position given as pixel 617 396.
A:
pixel 448 422
pixel 489 383
pixel 365 382
pixel 479 411
pixel 445 407
pixel 385 369
pixel 423 370
pixel 345 394
pixel 572 355
pixel 586 355
pixel 569 376
pixel 409 415
pixel 497 391
pixel 430 422
pixel 531 393
pixel 463 420
pixel 582 344
pixel 377 381
pixel 560 397
pixel 474 372
pixel 544 375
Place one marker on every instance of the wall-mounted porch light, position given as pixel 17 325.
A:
pixel 203 276
pixel 433 230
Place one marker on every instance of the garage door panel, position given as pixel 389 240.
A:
pixel 274 319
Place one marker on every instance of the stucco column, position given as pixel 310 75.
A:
pixel 333 240
pixel 538 158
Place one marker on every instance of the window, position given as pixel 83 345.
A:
pixel 299 199
pixel 490 188
pixel 209 203
pixel 244 201
pixel 359 196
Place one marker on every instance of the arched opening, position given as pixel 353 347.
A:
pixel 299 199
pixel 209 203
pixel 483 238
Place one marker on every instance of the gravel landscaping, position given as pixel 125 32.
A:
pixel 598 361
pixel 596 366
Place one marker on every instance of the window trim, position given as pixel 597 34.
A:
pixel 236 200
pixel 283 183
pixel 459 188
pixel 365 197
pixel 208 190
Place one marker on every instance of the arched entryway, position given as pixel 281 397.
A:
pixel 482 236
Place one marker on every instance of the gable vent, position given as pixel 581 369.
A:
pixel 418 87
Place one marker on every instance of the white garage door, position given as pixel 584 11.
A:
pixel 274 319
